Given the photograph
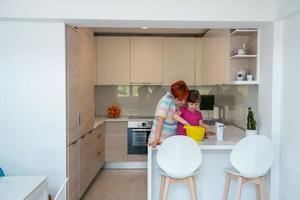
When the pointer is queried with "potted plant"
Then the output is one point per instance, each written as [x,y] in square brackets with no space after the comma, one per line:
[251,123]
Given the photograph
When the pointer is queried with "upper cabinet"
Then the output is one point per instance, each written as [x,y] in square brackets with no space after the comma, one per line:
[87,65]
[146,60]
[215,57]
[72,84]
[198,61]
[112,60]
[178,60]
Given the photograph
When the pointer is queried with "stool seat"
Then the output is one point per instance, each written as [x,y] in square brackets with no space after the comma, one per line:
[179,159]
[161,172]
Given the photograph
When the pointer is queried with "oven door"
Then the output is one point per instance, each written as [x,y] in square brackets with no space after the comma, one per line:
[137,140]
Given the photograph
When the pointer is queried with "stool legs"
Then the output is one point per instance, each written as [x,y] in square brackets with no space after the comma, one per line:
[166,188]
[239,188]
[192,187]
[162,184]
[259,182]
[227,186]
[258,195]
[263,188]
[167,181]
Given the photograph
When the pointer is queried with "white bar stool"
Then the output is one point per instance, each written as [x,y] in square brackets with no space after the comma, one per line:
[179,158]
[251,158]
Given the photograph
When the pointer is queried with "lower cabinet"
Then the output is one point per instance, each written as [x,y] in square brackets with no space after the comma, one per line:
[73,170]
[116,141]
[85,159]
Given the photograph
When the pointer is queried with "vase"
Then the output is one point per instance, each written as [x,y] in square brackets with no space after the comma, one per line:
[251,132]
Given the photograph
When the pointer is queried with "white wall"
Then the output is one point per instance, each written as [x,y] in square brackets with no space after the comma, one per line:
[33,100]
[290,108]
[168,10]
[285,8]
[265,73]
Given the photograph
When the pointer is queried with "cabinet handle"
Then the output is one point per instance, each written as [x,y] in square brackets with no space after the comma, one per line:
[82,136]
[99,135]
[78,118]
[73,143]
[98,153]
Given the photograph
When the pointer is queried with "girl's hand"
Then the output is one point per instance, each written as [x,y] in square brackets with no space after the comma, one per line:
[209,133]
[154,142]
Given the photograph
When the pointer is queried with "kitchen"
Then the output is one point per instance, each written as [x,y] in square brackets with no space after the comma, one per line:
[131,69]
[43,102]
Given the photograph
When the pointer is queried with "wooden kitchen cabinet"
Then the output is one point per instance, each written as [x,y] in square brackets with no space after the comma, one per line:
[198,61]
[72,84]
[91,156]
[215,57]
[87,63]
[146,60]
[116,141]
[82,163]
[73,155]
[112,60]
[73,131]
[178,60]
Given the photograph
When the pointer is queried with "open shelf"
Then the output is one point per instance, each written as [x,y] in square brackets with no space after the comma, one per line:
[243,56]
[242,32]
[245,82]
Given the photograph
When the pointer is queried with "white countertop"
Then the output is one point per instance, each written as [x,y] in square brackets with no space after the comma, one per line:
[19,187]
[100,120]
[232,135]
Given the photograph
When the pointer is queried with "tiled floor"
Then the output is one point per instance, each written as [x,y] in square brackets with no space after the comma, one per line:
[119,184]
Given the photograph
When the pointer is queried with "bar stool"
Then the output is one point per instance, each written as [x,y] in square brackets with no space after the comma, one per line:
[251,158]
[179,159]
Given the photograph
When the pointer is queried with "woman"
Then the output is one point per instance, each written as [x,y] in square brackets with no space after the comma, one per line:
[164,124]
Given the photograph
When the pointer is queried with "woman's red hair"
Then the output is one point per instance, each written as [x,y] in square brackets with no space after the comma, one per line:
[180,90]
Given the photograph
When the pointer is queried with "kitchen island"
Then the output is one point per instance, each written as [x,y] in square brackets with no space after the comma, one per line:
[210,180]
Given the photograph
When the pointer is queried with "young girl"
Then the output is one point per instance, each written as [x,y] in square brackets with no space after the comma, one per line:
[190,113]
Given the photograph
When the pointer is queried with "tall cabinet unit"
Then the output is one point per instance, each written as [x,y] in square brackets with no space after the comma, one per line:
[85,146]
[178,60]
[73,131]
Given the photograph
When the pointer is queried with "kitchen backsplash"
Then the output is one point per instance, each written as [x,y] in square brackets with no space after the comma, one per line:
[142,100]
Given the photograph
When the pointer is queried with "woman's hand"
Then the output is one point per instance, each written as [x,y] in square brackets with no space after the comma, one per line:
[154,143]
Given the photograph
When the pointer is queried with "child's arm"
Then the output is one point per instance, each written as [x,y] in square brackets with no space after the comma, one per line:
[180,119]
[207,132]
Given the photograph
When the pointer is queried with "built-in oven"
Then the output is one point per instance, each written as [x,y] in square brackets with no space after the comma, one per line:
[138,133]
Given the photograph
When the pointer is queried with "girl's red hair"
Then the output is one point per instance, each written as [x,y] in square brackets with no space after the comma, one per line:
[180,90]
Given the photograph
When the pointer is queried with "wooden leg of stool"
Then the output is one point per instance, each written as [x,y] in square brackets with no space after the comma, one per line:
[227,186]
[239,188]
[258,195]
[192,187]
[263,188]
[162,184]
[166,188]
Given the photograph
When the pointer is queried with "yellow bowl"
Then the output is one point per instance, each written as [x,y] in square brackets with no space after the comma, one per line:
[195,132]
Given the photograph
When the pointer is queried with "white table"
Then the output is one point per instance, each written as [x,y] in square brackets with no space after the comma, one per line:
[23,187]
